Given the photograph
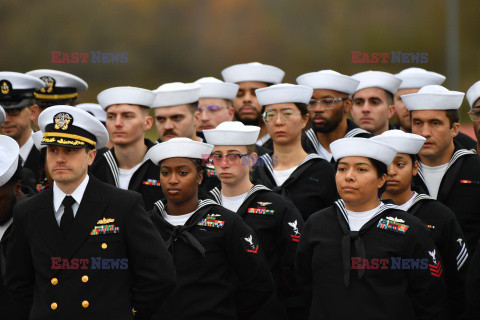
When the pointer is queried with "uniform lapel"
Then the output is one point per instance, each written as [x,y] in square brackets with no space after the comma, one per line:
[90,211]
[46,223]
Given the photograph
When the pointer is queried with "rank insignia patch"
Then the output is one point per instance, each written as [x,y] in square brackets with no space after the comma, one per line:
[151,182]
[393,224]
[250,246]
[211,222]
[296,235]
[261,210]
[436,267]
[105,229]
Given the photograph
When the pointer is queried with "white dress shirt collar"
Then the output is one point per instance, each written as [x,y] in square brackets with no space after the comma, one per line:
[59,195]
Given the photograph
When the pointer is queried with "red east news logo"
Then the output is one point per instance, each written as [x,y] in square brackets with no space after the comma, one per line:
[384,57]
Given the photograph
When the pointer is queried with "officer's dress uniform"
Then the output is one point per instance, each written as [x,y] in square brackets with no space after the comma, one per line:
[102,265]
[311,144]
[221,270]
[145,180]
[278,226]
[310,187]
[459,190]
[335,291]
[448,237]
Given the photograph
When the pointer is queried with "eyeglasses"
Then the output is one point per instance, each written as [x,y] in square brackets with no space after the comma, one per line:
[14,112]
[474,115]
[326,103]
[210,109]
[217,158]
[270,116]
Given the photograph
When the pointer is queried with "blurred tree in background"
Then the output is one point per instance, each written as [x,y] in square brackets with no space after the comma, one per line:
[183,40]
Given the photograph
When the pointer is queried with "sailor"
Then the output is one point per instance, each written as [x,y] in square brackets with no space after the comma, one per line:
[221,270]
[373,100]
[362,258]
[443,227]
[329,109]
[274,219]
[473,97]
[61,88]
[126,165]
[412,80]
[306,179]
[86,251]
[17,98]
[250,77]
[447,172]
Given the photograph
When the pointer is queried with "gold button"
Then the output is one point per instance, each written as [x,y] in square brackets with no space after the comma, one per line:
[85,304]
[53,306]
[54,281]
[104,245]
[85,279]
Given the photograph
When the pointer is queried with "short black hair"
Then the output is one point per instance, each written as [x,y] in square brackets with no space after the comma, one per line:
[17,176]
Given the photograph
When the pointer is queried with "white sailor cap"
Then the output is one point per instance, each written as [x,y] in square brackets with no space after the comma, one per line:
[213,88]
[377,79]
[433,97]
[473,94]
[16,89]
[3,115]
[71,127]
[175,94]
[402,141]
[232,133]
[59,85]
[126,95]
[9,151]
[363,147]
[253,71]
[179,148]
[329,79]
[37,140]
[284,93]
[418,77]
[94,109]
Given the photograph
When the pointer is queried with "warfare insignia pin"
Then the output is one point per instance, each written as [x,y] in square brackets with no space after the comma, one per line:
[263,204]
[62,120]
[105,221]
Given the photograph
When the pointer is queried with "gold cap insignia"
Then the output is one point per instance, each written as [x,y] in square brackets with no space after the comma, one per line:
[5,88]
[62,120]
[105,221]
[49,84]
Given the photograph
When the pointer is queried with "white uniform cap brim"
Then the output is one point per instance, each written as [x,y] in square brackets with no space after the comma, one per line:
[377,79]
[3,115]
[21,81]
[402,141]
[253,71]
[362,147]
[81,119]
[473,94]
[175,94]
[126,95]
[284,93]
[232,133]
[413,78]
[433,97]
[62,79]
[94,109]
[330,80]
[217,89]
[37,140]
[9,151]
[179,148]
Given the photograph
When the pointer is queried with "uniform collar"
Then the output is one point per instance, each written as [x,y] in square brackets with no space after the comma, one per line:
[217,192]
[160,205]
[59,195]
[26,148]
[268,162]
